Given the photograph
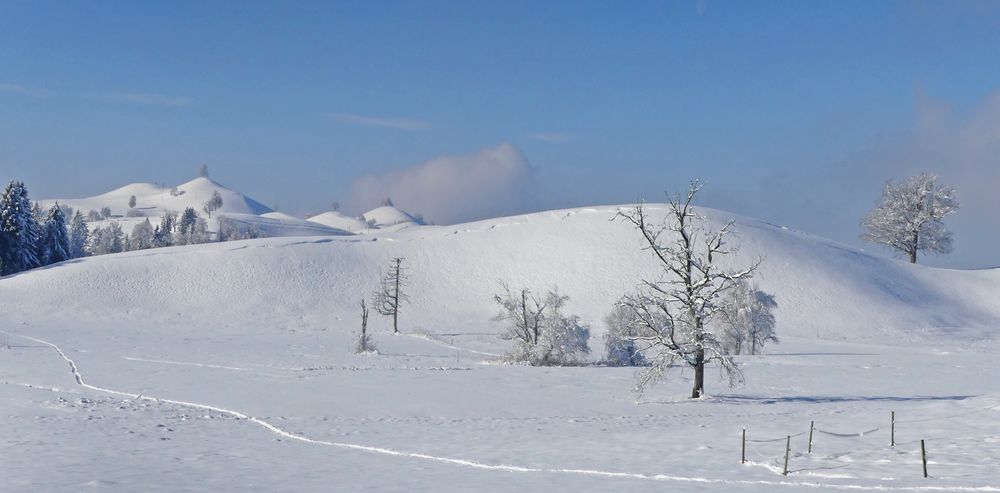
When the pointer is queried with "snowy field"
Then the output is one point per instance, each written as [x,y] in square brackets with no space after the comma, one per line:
[228,367]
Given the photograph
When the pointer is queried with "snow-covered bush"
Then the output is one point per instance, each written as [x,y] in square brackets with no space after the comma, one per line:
[542,334]
[619,340]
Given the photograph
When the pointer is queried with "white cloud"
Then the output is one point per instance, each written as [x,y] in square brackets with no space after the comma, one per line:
[449,189]
[142,98]
[24,90]
[382,122]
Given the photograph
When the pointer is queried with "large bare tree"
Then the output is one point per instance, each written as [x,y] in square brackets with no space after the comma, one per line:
[908,217]
[672,312]
[390,295]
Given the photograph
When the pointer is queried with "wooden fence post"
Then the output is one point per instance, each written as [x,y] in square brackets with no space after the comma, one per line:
[812,425]
[892,429]
[743,450]
[788,450]
[923,456]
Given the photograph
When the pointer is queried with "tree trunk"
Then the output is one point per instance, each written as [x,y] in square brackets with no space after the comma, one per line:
[913,252]
[699,375]
[913,257]
[395,301]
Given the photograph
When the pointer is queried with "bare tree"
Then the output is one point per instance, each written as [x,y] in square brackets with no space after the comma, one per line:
[389,295]
[334,206]
[213,204]
[131,202]
[203,171]
[542,334]
[524,312]
[672,312]
[365,344]
[908,217]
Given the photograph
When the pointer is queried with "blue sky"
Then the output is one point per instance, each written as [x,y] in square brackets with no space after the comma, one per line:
[795,112]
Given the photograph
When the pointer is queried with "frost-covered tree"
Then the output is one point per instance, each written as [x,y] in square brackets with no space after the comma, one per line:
[106,240]
[673,310]
[199,233]
[908,217]
[364,344]
[334,206]
[748,318]
[213,204]
[79,234]
[131,202]
[19,231]
[542,334]
[93,215]
[105,213]
[619,340]
[142,236]
[387,202]
[55,242]
[390,293]
[564,337]
[203,171]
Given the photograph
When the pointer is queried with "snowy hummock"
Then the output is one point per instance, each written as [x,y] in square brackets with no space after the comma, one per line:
[387,215]
[336,219]
[230,367]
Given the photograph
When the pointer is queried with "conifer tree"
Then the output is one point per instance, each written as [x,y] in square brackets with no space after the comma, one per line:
[18,230]
[79,233]
[55,243]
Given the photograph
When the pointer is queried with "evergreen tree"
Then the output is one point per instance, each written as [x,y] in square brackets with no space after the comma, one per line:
[18,230]
[163,235]
[79,233]
[55,243]
[187,221]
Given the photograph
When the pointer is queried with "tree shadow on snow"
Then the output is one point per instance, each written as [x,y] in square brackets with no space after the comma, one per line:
[823,399]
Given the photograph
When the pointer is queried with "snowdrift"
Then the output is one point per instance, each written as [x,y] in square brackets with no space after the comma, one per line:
[824,290]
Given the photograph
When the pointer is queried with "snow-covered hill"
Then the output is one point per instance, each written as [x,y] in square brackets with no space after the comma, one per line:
[228,367]
[153,200]
[388,216]
[338,220]
[823,289]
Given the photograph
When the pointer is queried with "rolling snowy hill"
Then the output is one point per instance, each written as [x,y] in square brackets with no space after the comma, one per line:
[153,200]
[228,366]
[823,289]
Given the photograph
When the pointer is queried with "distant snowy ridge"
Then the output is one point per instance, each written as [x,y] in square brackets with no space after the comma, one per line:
[154,200]
[823,289]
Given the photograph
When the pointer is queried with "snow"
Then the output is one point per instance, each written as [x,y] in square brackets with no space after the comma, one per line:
[153,200]
[335,219]
[228,367]
[388,215]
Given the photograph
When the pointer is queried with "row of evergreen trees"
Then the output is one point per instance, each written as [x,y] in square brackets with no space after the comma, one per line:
[30,237]
[26,241]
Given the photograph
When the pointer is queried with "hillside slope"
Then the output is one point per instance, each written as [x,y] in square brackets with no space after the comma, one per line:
[823,289]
